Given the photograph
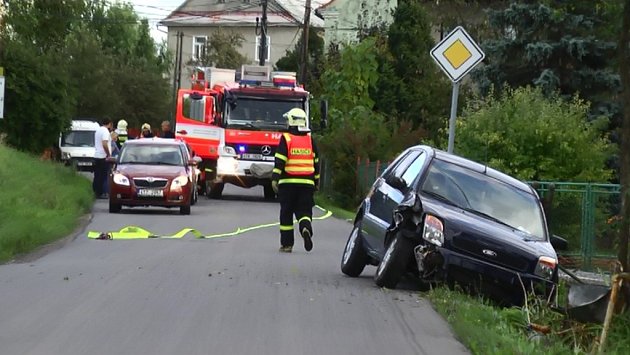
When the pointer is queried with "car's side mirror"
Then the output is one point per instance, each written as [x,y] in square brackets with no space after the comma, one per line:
[396,182]
[559,243]
[197,159]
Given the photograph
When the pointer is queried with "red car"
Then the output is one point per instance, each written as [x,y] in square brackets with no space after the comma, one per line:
[153,172]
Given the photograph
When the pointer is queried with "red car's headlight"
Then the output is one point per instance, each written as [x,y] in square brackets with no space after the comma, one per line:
[179,181]
[120,179]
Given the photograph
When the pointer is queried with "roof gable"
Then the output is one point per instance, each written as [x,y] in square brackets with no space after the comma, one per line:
[239,13]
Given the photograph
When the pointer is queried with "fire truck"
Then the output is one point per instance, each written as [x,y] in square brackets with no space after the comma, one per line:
[235,126]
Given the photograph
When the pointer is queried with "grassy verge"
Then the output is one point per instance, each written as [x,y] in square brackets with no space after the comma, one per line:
[486,329]
[325,202]
[40,202]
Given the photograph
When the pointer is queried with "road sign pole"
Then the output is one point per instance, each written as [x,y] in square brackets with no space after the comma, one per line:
[451,123]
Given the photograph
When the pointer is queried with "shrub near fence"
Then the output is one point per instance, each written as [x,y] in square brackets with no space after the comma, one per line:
[587,215]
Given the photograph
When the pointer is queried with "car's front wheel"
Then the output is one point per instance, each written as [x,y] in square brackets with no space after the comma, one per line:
[391,269]
[114,207]
[184,210]
[354,257]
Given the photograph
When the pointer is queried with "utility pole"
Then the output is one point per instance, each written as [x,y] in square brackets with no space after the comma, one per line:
[304,59]
[175,71]
[262,55]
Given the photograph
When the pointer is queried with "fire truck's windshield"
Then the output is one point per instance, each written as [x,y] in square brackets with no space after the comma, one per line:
[260,113]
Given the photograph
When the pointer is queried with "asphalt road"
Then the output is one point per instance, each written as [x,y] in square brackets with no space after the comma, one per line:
[235,295]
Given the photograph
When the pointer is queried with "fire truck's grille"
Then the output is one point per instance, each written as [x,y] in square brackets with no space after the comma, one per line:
[155,182]
[255,149]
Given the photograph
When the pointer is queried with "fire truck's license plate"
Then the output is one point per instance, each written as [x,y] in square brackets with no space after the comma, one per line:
[150,193]
[252,156]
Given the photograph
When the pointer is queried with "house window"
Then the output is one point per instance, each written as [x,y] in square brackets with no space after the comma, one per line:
[199,47]
[258,44]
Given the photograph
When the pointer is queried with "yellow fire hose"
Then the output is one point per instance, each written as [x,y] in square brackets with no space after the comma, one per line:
[134,232]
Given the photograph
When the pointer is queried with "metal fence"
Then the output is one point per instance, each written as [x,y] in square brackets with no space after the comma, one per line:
[585,214]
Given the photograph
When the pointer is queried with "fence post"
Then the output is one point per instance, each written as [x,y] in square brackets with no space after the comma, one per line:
[587,227]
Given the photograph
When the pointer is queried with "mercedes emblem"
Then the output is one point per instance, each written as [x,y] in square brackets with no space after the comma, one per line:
[266,150]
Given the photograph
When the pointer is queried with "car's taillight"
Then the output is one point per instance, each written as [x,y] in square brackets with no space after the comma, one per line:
[546,267]
[433,231]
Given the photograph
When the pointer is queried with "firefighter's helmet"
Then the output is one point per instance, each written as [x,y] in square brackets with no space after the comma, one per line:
[122,125]
[296,118]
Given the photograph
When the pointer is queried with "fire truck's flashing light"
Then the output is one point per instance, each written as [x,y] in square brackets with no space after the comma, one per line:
[241,148]
[285,81]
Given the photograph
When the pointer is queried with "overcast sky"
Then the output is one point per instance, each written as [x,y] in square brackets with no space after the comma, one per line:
[154,11]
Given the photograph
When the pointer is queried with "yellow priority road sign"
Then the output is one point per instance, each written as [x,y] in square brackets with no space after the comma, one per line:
[457,54]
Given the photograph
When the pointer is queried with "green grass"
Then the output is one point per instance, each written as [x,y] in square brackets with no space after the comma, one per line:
[487,329]
[327,203]
[40,202]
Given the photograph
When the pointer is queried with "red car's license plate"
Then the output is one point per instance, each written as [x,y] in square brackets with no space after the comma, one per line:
[150,193]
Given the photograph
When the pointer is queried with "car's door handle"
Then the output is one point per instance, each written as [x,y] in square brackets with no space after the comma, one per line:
[182,132]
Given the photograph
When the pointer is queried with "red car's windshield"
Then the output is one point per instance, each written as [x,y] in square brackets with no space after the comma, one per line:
[151,155]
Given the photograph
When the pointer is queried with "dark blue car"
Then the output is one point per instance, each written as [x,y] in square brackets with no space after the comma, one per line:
[447,219]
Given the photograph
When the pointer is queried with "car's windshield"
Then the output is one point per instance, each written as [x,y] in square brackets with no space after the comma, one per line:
[260,113]
[151,155]
[77,139]
[480,193]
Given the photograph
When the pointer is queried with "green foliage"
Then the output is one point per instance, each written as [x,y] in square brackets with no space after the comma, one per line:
[77,58]
[356,129]
[291,61]
[486,329]
[534,136]
[559,46]
[221,50]
[40,203]
[411,86]
[38,100]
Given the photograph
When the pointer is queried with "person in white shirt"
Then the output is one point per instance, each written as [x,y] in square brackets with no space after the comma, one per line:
[101,143]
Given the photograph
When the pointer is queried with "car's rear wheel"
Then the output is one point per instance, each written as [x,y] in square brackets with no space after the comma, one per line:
[391,269]
[214,190]
[354,257]
[184,210]
[114,207]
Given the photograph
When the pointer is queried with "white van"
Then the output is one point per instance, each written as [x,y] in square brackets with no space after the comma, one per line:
[77,144]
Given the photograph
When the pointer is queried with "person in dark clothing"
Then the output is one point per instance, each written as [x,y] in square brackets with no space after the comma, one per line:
[295,179]
[146,131]
[166,130]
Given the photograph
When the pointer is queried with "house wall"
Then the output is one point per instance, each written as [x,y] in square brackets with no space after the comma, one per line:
[343,18]
[282,39]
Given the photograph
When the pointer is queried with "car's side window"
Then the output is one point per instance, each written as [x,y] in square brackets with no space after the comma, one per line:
[401,167]
[411,174]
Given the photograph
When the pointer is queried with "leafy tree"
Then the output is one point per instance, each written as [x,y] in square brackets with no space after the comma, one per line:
[411,87]
[356,129]
[534,136]
[221,50]
[38,101]
[557,45]
[291,61]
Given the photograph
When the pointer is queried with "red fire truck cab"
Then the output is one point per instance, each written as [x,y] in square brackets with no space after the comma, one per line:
[237,125]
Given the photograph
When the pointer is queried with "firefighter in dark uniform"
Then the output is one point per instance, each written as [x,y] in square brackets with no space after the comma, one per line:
[295,178]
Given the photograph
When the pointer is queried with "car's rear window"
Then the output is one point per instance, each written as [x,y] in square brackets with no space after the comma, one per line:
[476,191]
[151,154]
